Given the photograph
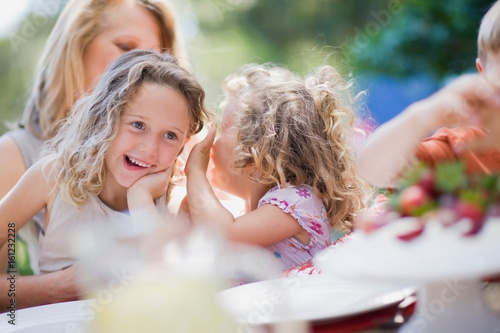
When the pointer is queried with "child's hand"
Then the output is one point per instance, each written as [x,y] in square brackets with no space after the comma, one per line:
[200,154]
[468,100]
[490,122]
[149,187]
[487,116]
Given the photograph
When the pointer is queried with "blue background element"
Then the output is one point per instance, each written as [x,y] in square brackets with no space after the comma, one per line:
[388,96]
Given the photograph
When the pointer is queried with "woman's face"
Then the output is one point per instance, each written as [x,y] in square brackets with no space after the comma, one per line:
[128,26]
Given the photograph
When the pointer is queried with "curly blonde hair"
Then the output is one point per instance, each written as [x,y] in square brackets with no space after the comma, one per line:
[59,80]
[298,131]
[80,146]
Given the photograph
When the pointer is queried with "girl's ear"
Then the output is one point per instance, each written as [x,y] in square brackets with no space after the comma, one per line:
[479,66]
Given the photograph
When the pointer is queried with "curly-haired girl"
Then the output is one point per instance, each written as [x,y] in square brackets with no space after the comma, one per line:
[285,148]
[119,143]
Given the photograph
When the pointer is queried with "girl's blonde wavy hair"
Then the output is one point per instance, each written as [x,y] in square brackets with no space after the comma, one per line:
[77,151]
[59,79]
[298,131]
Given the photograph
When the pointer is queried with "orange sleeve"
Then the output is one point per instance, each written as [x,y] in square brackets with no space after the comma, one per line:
[443,146]
[433,150]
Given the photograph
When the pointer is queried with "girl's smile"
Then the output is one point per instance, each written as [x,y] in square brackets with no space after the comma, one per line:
[132,163]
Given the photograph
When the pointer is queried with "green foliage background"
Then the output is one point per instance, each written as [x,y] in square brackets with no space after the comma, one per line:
[399,38]
[19,53]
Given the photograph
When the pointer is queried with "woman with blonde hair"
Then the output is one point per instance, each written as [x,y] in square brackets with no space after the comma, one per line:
[86,38]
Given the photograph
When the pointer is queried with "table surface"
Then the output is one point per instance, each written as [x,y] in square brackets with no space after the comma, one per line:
[380,321]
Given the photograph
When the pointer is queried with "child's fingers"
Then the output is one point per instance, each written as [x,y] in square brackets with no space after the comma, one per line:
[164,177]
[154,183]
[209,139]
[472,97]
[200,154]
[206,144]
[168,172]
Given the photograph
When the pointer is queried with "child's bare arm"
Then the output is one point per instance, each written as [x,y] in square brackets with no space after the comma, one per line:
[265,226]
[29,196]
[393,145]
[204,206]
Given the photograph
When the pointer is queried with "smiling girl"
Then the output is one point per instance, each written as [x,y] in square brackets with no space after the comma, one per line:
[120,142]
[86,38]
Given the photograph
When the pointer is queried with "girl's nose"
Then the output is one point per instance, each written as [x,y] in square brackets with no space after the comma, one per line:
[150,146]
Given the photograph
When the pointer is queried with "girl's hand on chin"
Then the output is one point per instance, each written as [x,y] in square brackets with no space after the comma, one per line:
[153,185]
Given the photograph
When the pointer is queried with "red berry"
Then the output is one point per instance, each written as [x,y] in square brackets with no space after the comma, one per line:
[426,181]
[410,228]
[411,198]
[471,212]
[408,236]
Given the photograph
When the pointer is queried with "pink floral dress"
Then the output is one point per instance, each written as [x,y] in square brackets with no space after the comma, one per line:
[310,213]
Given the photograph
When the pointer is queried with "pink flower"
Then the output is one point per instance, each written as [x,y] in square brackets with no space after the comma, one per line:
[303,193]
[316,227]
